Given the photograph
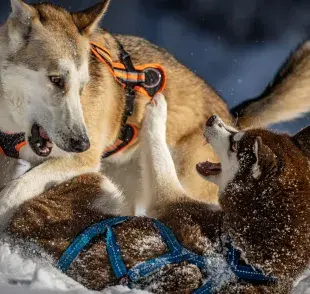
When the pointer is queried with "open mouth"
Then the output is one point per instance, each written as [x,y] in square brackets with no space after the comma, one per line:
[39,141]
[208,168]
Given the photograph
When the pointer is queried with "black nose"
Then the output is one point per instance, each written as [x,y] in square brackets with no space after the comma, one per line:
[79,145]
[211,120]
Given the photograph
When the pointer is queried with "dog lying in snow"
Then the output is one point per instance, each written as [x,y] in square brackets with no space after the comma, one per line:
[264,213]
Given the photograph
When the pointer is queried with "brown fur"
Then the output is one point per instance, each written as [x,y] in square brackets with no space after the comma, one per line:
[267,218]
[272,211]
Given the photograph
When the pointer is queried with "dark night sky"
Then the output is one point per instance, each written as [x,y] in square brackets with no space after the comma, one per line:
[236,46]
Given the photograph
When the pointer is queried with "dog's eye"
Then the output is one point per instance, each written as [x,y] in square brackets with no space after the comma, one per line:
[233,144]
[57,81]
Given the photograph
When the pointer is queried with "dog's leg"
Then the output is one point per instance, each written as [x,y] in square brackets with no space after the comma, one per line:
[159,177]
[42,177]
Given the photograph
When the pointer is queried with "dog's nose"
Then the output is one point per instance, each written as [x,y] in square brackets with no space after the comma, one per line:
[212,119]
[79,145]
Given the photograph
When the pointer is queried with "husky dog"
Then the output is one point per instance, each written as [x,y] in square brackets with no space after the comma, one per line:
[264,211]
[70,106]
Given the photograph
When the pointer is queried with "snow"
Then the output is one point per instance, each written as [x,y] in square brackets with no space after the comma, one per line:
[34,273]
[20,274]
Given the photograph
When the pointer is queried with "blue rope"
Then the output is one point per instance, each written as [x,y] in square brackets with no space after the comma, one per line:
[206,288]
[84,239]
[245,272]
[114,253]
[177,253]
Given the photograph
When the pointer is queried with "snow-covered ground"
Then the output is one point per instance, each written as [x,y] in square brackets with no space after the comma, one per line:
[32,273]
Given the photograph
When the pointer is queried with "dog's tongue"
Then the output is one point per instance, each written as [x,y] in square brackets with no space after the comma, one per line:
[208,168]
[43,134]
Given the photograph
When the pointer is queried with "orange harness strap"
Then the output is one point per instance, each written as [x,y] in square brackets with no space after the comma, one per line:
[147,79]
[10,144]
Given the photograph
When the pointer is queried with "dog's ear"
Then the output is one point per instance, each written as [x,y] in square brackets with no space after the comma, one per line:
[266,160]
[302,140]
[88,20]
[20,23]
[22,11]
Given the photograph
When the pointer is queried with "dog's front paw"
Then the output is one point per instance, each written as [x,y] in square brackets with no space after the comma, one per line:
[155,117]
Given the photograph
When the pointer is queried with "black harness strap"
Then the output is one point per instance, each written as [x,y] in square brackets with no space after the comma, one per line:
[127,132]
[10,144]
[130,92]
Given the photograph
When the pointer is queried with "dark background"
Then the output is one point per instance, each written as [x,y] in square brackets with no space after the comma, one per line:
[235,45]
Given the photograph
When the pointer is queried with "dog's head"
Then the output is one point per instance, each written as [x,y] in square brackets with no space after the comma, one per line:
[264,192]
[45,70]
[254,155]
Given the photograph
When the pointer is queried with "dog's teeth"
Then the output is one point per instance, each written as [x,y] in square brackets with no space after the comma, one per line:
[38,144]
[49,144]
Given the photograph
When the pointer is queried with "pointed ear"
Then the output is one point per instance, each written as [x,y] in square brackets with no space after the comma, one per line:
[88,20]
[266,160]
[20,23]
[302,140]
[22,11]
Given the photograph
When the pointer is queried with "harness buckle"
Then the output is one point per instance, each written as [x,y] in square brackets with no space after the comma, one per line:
[153,77]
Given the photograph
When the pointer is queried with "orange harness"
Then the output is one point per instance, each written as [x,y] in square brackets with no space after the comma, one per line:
[147,79]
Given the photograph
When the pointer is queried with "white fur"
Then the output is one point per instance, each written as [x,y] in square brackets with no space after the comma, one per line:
[129,172]
[219,137]
[238,136]
[160,180]
[143,179]
[20,85]
[256,169]
[112,200]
